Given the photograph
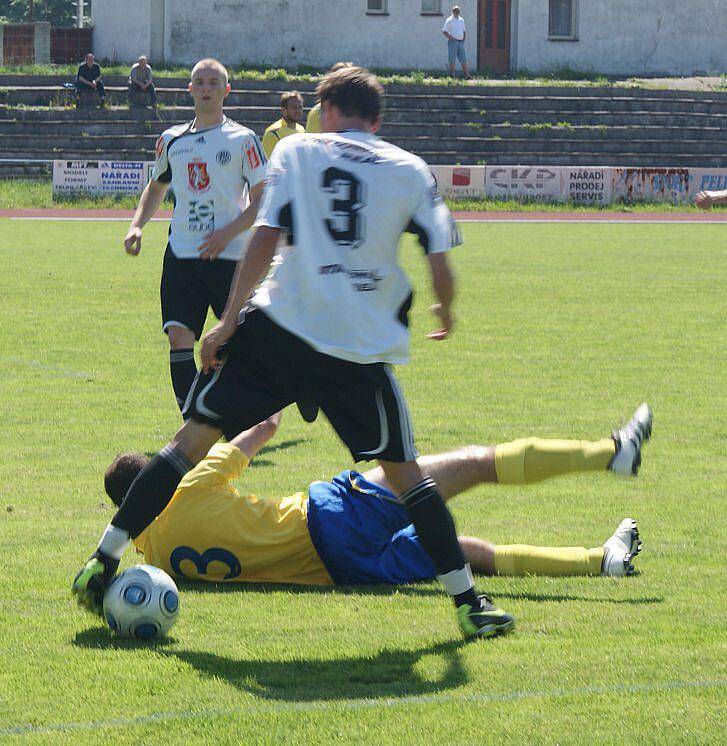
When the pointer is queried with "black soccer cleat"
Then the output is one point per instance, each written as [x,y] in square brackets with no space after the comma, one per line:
[487,621]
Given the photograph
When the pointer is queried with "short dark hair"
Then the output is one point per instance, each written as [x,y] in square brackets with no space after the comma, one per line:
[354,90]
[287,95]
[121,473]
[340,66]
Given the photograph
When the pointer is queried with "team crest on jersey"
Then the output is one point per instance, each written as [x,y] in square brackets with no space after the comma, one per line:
[253,158]
[199,179]
[224,157]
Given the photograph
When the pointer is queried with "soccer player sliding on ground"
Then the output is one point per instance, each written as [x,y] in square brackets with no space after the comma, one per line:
[352,530]
[325,327]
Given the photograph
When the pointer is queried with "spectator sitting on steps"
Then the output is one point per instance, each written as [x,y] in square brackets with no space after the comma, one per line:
[141,87]
[88,79]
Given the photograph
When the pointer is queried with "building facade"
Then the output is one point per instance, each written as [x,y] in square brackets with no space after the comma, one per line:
[617,37]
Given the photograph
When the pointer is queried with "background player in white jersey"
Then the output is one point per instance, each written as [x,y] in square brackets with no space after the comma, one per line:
[216,169]
[325,326]
[708,199]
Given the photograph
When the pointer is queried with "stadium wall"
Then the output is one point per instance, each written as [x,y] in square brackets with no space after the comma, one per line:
[279,33]
[623,37]
[123,30]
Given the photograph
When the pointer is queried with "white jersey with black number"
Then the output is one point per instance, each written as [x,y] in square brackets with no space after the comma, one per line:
[211,172]
[346,198]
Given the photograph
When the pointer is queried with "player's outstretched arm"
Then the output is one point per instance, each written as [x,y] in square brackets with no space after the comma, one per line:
[443,286]
[216,242]
[150,201]
[706,199]
[249,269]
[251,441]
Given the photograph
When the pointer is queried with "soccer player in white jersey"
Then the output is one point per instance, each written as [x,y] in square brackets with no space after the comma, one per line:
[326,325]
[216,169]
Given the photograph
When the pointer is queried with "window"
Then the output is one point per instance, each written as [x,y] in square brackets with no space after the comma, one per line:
[432,7]
[562,20]
[376,6]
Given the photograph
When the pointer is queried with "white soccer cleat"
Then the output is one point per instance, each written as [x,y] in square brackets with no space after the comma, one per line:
[621,549]
[629,440]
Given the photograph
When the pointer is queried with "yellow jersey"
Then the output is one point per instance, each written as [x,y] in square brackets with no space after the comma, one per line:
[210,532]
[276,132]
[313,123]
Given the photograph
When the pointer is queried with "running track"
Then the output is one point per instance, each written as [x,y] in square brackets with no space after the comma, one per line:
[468,217]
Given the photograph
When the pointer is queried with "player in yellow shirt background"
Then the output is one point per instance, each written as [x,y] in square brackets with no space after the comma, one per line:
[313,121]
[291,107]
[352,530]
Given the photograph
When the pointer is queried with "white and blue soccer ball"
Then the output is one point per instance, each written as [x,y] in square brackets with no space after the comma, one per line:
[142,602]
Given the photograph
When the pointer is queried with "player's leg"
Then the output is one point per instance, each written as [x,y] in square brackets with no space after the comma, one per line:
[531,460]
[366,407]
[148,495]
[229,400]
[614,558]
[454,471]
[184,309]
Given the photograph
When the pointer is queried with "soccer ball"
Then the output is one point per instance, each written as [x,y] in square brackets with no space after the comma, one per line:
[143,602]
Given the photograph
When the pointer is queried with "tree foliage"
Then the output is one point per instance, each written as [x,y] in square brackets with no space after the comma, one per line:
[58,12]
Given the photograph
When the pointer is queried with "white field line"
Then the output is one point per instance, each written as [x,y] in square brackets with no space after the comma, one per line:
[252,709]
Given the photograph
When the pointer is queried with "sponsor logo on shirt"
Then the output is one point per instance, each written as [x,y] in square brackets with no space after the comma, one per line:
[199,179]
[362,280]
[201,140]
[224,157]
[180,151]
[253,158]
[201,217]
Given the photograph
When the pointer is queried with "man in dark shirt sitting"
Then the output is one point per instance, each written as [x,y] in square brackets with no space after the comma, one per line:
[88,78]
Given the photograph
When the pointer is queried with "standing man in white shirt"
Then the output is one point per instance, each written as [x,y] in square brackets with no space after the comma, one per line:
[455,32]
[326,325]
[216,169]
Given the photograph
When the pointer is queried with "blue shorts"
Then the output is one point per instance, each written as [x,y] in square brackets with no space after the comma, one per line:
[363,535]
[456,51]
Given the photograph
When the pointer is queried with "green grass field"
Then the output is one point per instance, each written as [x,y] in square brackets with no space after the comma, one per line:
[563,330]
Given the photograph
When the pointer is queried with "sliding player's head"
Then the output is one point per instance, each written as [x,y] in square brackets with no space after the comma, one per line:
[351,98]
[122,471]
[291,105]
[209,86]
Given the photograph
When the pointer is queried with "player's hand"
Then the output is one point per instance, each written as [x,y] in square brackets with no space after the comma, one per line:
[446,323]
[132,242]
[211,343]
[704,200]
[215,244]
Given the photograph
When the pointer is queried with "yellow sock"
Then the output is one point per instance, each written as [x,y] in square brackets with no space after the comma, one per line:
[521,559]
[531,460]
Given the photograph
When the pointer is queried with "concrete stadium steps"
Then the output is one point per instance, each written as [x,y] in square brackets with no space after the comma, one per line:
[481,102]
[458,124]
[253,115]
[105,134]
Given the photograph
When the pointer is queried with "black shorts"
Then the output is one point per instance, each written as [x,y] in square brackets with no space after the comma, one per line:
[267,368]
[190,286]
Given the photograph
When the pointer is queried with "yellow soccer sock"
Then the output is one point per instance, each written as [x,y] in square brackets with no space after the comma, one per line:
[531,460]
[521,559]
